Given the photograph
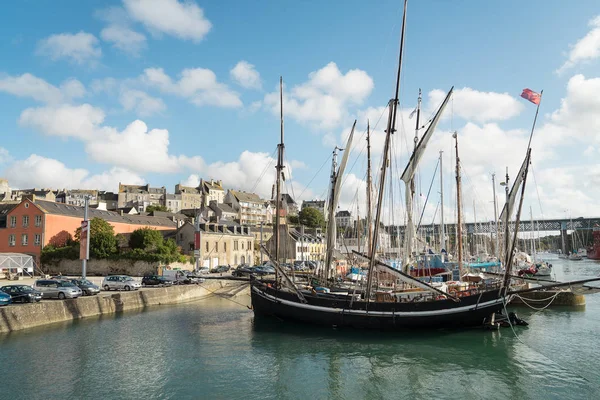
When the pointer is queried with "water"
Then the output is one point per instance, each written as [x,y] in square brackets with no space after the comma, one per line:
[215,349]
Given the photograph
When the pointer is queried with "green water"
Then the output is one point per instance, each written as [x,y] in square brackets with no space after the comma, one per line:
[215,349]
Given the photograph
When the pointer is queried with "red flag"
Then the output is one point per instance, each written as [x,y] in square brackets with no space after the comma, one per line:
[531,96]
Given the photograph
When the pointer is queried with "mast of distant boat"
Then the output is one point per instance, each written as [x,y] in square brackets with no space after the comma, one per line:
[442,228]
[459,243]
[369,192]
[279,167]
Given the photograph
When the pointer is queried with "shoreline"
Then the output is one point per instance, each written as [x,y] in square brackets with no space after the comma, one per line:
[25,316]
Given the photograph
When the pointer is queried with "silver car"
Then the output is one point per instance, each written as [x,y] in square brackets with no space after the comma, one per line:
[120,282]
[57,288]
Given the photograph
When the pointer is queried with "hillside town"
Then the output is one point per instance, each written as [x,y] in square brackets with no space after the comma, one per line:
[232,223]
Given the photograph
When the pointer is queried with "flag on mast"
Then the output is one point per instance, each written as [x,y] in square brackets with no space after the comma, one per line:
[531,96]
[412,114]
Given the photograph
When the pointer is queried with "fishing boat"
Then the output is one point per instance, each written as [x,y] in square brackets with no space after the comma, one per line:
[593,253]
[416,304]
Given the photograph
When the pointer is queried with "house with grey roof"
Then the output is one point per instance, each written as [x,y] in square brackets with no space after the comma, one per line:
[250,208]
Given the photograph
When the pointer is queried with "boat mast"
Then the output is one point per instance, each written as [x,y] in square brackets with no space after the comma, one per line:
[495,215]
[412,181]
[391,128]
[369,192]
[442,228]
[279,167]
[331,223]
[458,206]
[475,229]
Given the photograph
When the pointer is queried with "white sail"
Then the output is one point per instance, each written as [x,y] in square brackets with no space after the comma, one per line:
[512,196]
[411,168]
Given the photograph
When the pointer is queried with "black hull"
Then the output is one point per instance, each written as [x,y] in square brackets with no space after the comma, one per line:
[471,311]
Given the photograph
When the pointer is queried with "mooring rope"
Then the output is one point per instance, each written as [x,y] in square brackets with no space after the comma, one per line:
[225,296]
[551,298]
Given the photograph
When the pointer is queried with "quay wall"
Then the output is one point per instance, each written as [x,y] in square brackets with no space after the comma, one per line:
[108,267]
[24,316]
[542,298]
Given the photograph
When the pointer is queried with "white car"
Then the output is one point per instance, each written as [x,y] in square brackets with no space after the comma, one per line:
[120,282]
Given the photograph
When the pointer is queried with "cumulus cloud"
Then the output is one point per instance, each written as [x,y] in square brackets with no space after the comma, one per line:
[28,85]
[184,20]
[245,75]
[80,48]
[124,39]
[323,100]
[198,85]
[4,155]
[586,49]
[479,106]
[64,120]
[141,103]
[38,171]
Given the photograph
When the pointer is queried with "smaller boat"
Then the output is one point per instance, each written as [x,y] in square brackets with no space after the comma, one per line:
[575,257]
[541,269]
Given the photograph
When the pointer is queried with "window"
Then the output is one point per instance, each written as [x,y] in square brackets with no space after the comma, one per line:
[206,246]
[224,246]
[249,245]
[216,246]
[13,221]
[24,239]
[235,244]
[37,239]
[38,220]
[11,240]
[242,245]
[25,221]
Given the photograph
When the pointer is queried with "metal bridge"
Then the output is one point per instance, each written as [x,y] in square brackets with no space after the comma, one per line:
[524,226]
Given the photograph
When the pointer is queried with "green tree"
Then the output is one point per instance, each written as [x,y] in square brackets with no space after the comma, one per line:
[312,218]
[292,219]
[153,207]
[147,239]
[103,242]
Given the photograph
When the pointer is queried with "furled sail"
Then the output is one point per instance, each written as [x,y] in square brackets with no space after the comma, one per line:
[411,168]
[512,196]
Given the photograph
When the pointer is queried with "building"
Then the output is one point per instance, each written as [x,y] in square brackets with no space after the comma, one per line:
[220,244]
[5,208]
[343,219]
[4,190]
[295,246]
[42,194]
[191,197]
[110,200]
[212,191]
[218,211]
[140,196]
[250,208]
[33,224]
[173,202]
[318,204]
[77,197]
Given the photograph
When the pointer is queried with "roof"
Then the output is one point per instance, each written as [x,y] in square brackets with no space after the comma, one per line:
[50,207]
[6,207]
[226,208]
[212,185]
[343,214]
[173,196]
[168,215]
[188,189]
[246,197]
[308,203]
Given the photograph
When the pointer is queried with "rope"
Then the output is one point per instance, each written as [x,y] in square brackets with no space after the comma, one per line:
[552,298]
[224,297]
[314,176]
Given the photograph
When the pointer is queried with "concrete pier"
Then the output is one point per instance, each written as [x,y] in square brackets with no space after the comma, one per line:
[22,316]
[535,299]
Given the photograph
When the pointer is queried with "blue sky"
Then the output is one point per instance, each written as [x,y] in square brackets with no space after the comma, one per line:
[122,61]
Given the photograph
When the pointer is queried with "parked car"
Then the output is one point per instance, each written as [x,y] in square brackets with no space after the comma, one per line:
[87,287]
[264,269]
[220,269]
[155,280]
[120,282]
[203,270]
[22,293]
[5,299]
[57,288]
[243,270]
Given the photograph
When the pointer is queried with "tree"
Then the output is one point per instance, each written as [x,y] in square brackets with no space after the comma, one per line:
[293,219]
[146,239]
[153,207]
[103,242]
[312,218]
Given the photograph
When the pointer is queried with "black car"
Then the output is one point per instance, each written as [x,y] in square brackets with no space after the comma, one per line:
[22,293]
[221,268]
[155,280]
[87,287]
[247,271]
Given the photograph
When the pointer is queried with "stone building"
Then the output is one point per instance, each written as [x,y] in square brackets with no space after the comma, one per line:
[250,208]
[76,197]
[140,197]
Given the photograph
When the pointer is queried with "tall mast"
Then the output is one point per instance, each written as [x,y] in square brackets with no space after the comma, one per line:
[442,228]
[279,168]
[475,229]
[459,215]
[495,215]
[369,185]
[532,235]
[391,128]
[331,223]
[506,224]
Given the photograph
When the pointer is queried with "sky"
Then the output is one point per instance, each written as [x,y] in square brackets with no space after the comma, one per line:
[163,92]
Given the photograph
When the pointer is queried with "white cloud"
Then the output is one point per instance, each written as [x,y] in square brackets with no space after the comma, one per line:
[246,75]
[105,85]
[38,171]
[324,99]
[28,85]
[184,20]
[479,106]
[586,49]
[80,48]
[192,181]
[142,103]
[64,120]
[198,85]
[4,156]
[124,39]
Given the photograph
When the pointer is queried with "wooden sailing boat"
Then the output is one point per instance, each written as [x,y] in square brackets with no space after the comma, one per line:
[430,308]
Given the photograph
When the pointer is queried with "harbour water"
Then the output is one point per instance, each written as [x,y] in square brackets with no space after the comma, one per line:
[216,349]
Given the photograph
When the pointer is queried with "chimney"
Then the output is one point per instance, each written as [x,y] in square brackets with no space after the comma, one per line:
[212,182]
[220,183]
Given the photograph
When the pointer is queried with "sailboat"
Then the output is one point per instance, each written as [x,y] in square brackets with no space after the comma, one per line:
[425,307]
